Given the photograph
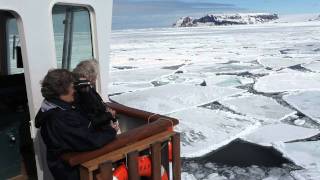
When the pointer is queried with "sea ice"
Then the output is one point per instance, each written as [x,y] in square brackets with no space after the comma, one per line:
[210,80]
[270,134]
[311,173]
[138,75]
[204,130]
[128,87]
[283,82]
[228,81]
[181,77]
[305,154]
[206,51]
[277,63]
[257,106]
[307,102]
[173,97]
[314,66]
[211,68]
[215,176]
[186,176]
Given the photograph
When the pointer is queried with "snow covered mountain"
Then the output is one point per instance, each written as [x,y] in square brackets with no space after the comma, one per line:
[226,19]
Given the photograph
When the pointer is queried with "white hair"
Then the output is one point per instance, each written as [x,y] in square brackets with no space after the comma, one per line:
[87,69]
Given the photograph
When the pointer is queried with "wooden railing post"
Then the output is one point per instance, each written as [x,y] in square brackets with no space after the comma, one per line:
[105,171]
[176,162]
[156,161]
[85,174]
[133,165]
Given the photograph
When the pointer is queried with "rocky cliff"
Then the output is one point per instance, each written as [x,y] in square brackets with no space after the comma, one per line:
[225,19]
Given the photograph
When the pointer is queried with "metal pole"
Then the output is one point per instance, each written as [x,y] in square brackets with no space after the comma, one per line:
[14,47]
[68,37]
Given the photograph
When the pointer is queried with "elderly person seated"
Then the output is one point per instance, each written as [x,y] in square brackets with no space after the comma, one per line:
[63,128]
[87,98]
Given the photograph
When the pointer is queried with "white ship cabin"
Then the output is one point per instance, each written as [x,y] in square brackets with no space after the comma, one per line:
[39,35]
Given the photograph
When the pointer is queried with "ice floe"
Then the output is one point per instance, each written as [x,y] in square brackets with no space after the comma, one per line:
[314,66]
[277,63]
[271,134]
[186,176]
[208,80]
[258,106]
[127,87]
[173,97]
[213,171]
[138,75]
[307,102]
[283,82]
[228,81]
[305,154]
[220,68]
[204,130]
[311,173]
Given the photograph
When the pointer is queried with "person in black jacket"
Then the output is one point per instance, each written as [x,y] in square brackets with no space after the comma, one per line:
[63,128]
[87,98]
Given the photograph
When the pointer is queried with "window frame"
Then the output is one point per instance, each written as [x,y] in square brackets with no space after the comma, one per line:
[92,26]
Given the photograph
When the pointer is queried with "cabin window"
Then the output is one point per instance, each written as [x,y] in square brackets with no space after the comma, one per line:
[72,35]
[15,65]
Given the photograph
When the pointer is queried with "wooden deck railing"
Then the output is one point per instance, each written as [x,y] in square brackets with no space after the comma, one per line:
[157,131]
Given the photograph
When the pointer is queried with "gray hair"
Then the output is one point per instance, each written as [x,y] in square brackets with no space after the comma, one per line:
[86,69]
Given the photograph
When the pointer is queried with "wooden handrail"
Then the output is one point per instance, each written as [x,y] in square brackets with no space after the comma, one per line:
[121,140]
[155,126]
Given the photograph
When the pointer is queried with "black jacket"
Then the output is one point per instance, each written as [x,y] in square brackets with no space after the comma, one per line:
[64,129]
[92,106]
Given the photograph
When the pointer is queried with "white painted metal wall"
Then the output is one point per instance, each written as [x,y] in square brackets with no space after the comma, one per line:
[34,18]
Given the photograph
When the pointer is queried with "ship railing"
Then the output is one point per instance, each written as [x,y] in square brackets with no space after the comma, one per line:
[152,137]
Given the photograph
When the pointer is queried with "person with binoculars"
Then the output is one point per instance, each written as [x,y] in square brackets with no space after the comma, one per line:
[88,100]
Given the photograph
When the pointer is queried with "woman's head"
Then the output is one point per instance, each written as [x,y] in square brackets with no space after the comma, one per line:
[58,84]
[88,70]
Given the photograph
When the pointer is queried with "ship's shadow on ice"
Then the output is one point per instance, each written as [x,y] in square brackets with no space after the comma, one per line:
[243,154]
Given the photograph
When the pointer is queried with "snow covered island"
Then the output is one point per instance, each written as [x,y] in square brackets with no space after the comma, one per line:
[226,19]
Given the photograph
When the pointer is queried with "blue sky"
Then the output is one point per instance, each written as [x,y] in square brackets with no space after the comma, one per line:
[129,14]
[280,6]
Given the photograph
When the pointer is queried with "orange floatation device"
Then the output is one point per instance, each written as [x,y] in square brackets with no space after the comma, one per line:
[144,168]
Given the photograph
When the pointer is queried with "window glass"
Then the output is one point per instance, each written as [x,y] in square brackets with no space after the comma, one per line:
[72,34]
[15,65]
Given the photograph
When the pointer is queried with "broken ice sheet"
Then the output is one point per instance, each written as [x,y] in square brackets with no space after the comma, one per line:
[312,173]
[270,134]
[138,75]
[314,66]
[257,106]
[204,130]
[186,176]
[127,87]
[183,78]
[210,80]
[277,63]
[173,97]
[305,154]
[220,67]
[283,82]
[228,80]
[307,102]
